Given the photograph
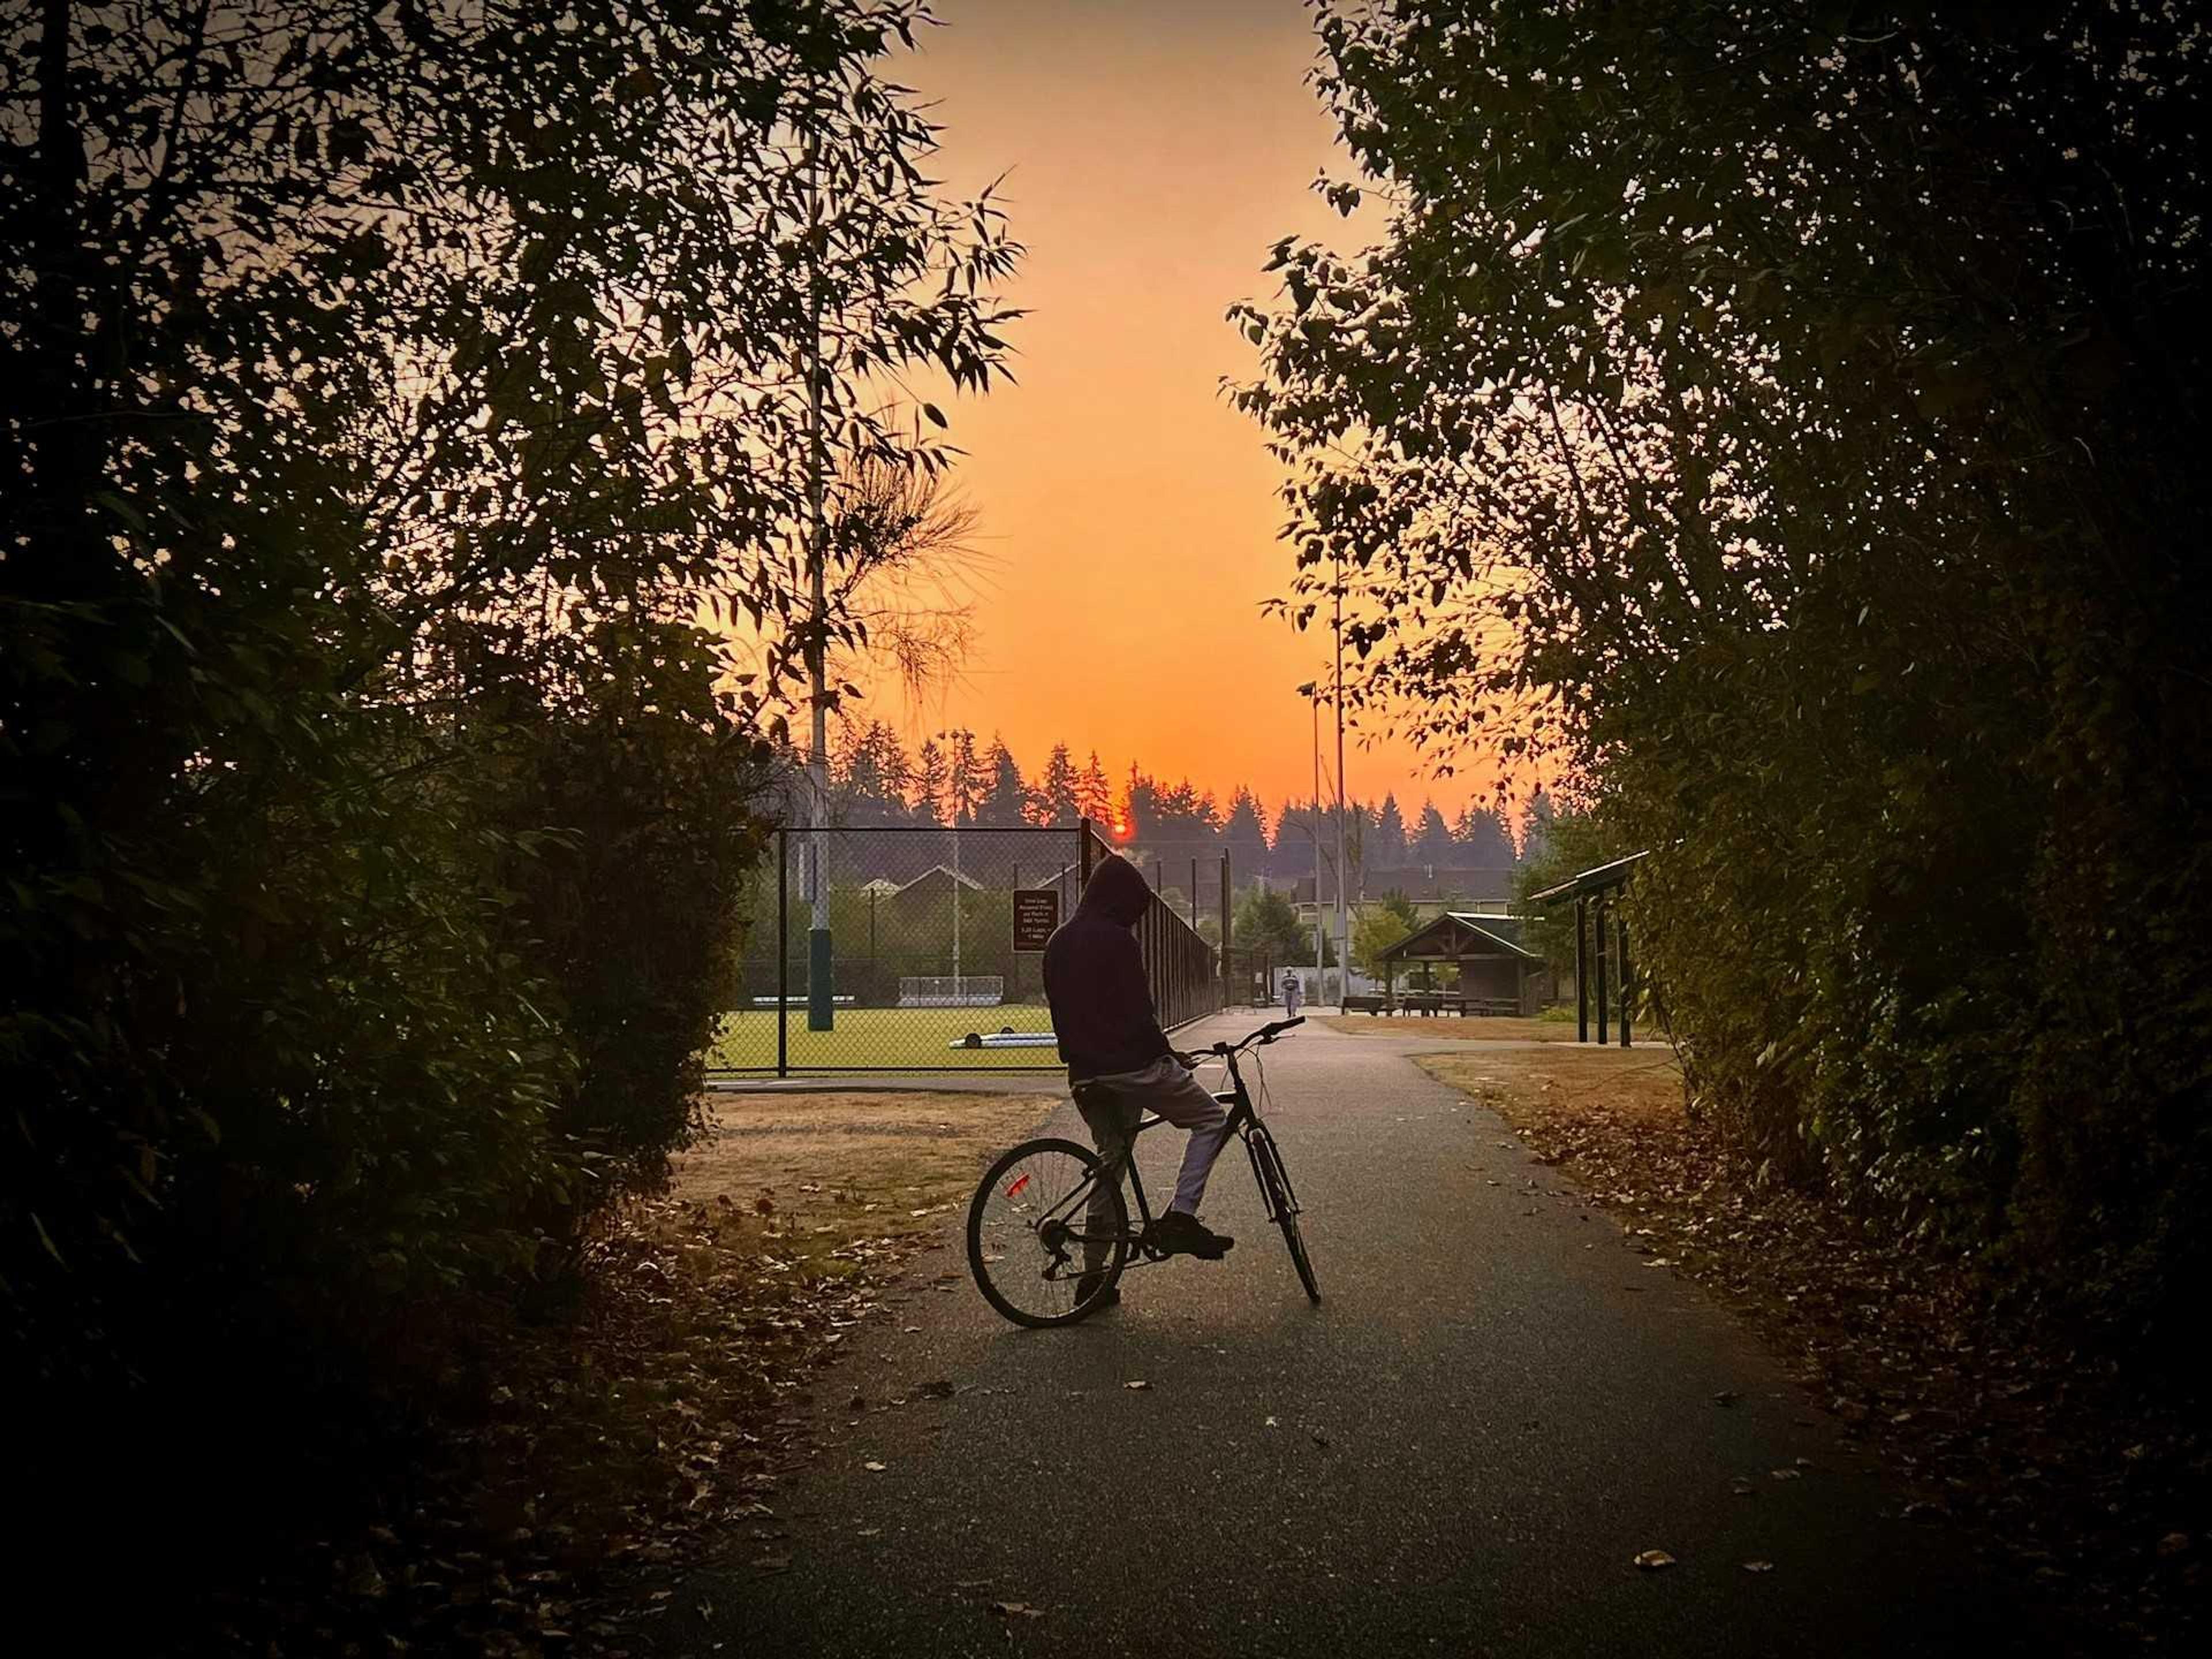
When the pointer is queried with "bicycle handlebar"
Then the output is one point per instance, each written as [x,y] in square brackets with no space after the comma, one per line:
[1267,1033]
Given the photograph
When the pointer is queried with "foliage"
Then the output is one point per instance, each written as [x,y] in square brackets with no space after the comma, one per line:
[1376,930]
[1790,419]
[1265,924]
[392,391]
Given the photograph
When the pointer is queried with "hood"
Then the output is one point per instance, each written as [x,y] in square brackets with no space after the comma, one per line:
[1116,890]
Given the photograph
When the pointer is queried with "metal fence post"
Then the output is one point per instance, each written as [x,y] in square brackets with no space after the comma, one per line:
[782,952]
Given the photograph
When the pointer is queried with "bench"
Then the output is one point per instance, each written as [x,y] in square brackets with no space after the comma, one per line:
[798,1001]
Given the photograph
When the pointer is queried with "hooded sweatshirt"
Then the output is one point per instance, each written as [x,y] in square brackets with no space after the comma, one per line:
[1094,978]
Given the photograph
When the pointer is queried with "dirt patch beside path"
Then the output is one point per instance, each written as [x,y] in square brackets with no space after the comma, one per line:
[2098,1498]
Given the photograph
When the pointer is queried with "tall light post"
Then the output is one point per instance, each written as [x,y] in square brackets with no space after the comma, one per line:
[821,992]
[1343,915]
[1311,692]
[963,742]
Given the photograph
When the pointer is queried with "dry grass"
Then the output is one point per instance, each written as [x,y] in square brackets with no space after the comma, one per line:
[814,1173]
[1454,1027]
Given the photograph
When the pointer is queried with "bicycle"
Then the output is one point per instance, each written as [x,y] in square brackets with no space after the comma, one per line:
[1046,1218]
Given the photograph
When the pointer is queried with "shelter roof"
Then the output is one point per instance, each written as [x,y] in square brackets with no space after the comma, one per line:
[1601,878]
[1450,934]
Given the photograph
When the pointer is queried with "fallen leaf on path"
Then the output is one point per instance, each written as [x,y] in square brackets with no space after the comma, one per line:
[1271,1423]
[1653,1560]
[1758,1566]
[1017,1610]
[873,1468]
[1135,1386]
[937,1390]
[1742,1488]
[1789,1474]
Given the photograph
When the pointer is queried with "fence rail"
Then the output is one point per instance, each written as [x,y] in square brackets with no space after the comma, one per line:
[912,932]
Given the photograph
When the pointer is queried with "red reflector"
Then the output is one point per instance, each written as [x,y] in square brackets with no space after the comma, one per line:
[1015,1191]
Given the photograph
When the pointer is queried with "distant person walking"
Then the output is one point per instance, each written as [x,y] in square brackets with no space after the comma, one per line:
[1293,994]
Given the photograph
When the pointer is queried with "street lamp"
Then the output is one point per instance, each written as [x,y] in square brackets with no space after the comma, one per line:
[1310,691]
[963,742]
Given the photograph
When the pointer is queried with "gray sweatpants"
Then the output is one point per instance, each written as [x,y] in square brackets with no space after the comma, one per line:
[1165,1087]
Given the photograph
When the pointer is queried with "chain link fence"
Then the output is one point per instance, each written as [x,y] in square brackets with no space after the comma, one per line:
[920,949]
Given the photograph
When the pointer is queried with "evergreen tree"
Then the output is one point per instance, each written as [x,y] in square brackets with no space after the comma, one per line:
[1056,801]
[1389,835]
[1536,826]
[1484,842]
[1245,834]
[1094,796]
[929,797]
[965,780]
[1006,797]
[1432,843]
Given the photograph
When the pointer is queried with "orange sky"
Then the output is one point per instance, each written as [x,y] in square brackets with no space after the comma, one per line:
[1154,151]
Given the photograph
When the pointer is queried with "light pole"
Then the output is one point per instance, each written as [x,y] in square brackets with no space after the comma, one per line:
[821,992]
[1343,923]
[962,741]
[1310,691]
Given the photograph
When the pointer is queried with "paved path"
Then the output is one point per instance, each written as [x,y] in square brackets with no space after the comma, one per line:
[1497,1407]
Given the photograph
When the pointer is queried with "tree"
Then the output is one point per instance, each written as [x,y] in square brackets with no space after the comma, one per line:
[1056,799]
[931,800]
[1245,836]
[1635,491]
[1389,835]
[1006,797]
[1377,930]
[1481,839]
[1094,796]
[965,780]
[1265,924]
[1431,842]
[392,390]
[1535,826]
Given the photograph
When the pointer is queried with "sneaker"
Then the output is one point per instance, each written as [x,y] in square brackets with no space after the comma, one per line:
[1177,1233]
[1086,1286]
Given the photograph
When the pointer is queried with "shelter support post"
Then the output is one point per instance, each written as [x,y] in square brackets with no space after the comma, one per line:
[1620,944]
[1582,972]
[1597,946]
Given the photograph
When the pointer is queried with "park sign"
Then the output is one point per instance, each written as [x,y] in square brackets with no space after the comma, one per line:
[1036,914]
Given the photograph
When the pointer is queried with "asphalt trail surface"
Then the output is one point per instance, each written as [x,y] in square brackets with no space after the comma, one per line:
[1497,1408]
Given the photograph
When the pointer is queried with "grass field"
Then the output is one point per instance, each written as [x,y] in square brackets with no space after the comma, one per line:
[899,1038]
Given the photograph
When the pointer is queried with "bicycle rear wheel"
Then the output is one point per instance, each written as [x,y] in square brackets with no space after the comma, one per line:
[1043,1220]
[1282,1202]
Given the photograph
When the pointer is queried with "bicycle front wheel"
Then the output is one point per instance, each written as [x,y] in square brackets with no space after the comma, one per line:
[1047,1234]
[1282,1202]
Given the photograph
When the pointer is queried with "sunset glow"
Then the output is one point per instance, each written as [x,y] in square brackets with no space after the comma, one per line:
[1128,516]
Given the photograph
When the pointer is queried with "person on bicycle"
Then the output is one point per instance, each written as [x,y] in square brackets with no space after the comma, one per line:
[1111,1037]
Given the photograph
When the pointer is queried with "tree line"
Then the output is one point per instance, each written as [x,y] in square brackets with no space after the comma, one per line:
[950,779]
